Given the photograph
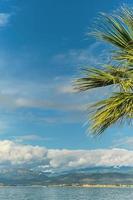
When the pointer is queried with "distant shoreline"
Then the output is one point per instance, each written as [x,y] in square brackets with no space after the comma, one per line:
[76,185]
[94,185]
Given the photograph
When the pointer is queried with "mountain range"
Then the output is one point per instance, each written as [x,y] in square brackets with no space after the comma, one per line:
[94,175]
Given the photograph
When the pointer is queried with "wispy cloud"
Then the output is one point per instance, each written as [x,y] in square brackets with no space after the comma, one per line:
[82,57]
[54,96]
[66,89]
[125,142]
[30,137]
[4,19]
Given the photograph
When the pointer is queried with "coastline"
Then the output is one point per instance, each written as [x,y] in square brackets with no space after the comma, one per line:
[76,185]
[94,185]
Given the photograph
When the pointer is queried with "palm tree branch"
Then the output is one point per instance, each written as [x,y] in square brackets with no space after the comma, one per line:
[117,29]
[110,75]
[111,110]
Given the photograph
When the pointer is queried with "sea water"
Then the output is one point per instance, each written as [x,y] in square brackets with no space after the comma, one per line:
[64,193]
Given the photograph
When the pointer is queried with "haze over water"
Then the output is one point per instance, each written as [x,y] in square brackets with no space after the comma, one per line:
[64,193]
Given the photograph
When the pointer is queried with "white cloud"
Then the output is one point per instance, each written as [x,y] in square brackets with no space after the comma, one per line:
[31,137]
[93,55]
[18,154]
[17,96]
[125,142]
[4,19]
[88,158]
[66,89]
[58,160]
[58,95]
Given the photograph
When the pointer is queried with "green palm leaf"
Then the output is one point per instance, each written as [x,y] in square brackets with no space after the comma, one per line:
[116,108]
[116,29]
[93,78]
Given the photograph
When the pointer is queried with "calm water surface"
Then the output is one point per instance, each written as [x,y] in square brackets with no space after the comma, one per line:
[56,193]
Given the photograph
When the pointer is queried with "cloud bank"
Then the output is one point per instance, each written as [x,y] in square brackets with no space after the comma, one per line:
[43,159]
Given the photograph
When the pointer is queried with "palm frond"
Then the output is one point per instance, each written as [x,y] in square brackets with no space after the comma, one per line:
[121,55]
[113,31]
[107,112]
[126,15]
[117,29]
[94,78]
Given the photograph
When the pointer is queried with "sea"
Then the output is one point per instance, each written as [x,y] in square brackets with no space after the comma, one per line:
[64,193]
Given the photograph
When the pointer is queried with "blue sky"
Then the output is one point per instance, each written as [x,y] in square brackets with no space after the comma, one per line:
[43,45]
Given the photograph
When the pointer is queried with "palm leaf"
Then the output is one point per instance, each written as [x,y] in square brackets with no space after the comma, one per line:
[117,29]
[126,55]
[126,16]
[113,31]
[109,111]
[94,78]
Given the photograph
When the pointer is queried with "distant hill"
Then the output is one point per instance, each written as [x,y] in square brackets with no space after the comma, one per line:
[95,175]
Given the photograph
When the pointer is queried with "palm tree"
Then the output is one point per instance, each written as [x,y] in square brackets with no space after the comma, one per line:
[117,30]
